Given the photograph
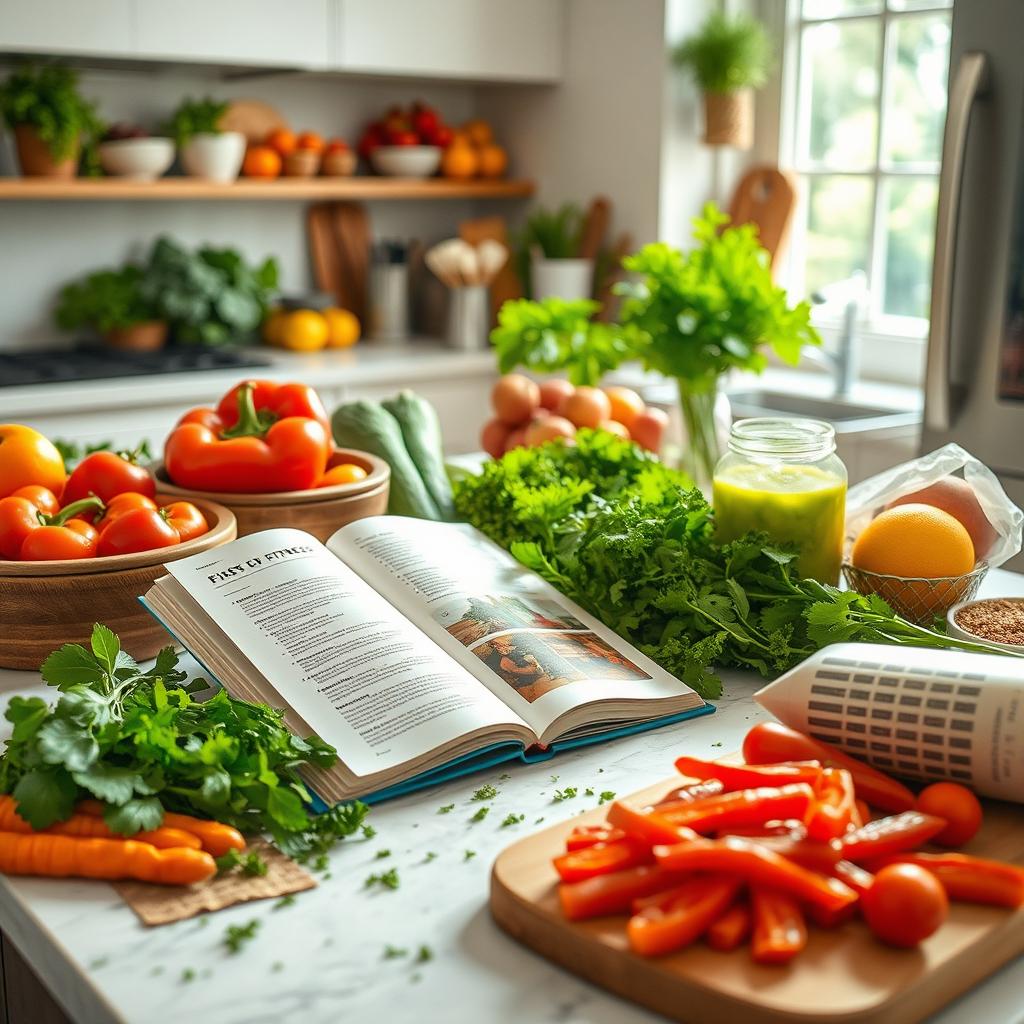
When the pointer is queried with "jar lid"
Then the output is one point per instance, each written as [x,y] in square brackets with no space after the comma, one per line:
[786,439]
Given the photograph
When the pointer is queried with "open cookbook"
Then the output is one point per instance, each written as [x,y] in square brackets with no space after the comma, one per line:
[420,650]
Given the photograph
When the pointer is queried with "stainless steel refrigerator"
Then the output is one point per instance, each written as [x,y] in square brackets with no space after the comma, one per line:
[974,382]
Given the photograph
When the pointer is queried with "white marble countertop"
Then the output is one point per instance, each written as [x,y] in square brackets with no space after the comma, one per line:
[321,959]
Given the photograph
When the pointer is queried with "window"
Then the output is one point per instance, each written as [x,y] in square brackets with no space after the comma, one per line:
[864,106]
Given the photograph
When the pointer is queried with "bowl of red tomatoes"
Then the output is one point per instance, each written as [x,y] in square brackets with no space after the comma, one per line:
[80,548]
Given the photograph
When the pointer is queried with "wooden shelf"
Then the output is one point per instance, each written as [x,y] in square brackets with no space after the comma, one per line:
[364,188]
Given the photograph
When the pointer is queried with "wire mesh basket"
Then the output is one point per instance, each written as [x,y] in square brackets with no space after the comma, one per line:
[913,597]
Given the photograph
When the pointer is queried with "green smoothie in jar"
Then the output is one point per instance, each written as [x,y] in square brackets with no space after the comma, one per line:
[783,478]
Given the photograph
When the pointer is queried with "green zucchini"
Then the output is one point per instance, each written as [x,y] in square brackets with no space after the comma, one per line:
[421,432]
[370,427]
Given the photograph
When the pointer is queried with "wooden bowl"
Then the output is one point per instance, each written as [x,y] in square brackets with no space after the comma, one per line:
[46,604]
[319,511]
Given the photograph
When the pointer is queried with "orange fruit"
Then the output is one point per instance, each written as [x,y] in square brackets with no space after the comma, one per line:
[956,497]
[478,132]
[26,457]
[459,161]
[261,162]
[281,141]
[493,160]
[626,404]
[346,473]
[310,140]
[305,330]
[914,540]
[273,326]
[342,327]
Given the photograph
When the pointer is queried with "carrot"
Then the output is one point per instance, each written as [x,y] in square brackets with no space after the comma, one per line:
[66,857]
[216,837]
[731,930]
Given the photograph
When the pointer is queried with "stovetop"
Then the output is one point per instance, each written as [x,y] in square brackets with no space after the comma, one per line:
[99,363]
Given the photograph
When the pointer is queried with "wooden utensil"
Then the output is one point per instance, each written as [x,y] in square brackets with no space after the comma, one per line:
[844,975]
[766,197]
[253,118]
[339,242]
[595,227]
[506,284]
[613,273]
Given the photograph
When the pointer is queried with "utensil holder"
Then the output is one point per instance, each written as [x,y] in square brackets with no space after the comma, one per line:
[468,316]
[389,302]
[562,278]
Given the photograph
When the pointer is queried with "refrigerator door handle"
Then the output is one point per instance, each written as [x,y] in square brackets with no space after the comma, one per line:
[971,74]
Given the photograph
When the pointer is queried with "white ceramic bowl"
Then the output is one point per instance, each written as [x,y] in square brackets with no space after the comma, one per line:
[216,157]
[406,161]
[138,159]
[962,634]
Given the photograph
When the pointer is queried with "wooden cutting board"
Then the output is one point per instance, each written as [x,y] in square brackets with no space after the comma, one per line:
[843,975]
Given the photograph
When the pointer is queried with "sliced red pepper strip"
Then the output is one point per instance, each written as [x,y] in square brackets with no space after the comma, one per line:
[858,880]
[657,930]
[772,742]
[965,878]
[788,827]
[808,853]
[613,894]
[583,836]
[757,865]
[692,791]
[742,807]
[779,931]
[730,931]
[602,859]
[895,834]
[740,776]
[647,826]
[835,806]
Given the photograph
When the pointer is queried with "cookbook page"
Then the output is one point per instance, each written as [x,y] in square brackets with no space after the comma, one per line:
[350,664]
[539,652]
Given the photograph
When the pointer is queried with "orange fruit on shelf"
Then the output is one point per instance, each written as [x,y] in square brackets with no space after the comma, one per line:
[914,540]
[273,326]
[478,132]
[282,141]
[261,162]
[626,404]
[310,140]
[459,160]
[305,330]
[493,160]
[342,327]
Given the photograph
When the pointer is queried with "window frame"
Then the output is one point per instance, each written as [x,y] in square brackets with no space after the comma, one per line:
[875,322]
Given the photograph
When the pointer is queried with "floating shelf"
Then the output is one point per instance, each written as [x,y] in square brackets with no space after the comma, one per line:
[164,189]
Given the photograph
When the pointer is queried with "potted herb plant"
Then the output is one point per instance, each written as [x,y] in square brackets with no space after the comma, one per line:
[111,303]
[548,257]
[206,151]
[49,118]
[729,58]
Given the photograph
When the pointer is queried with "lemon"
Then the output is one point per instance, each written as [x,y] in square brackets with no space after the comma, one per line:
[342,327]
[305,330]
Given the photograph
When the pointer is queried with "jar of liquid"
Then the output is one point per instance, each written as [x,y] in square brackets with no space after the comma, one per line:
[783,478]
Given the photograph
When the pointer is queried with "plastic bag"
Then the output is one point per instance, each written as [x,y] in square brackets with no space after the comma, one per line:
[866,499]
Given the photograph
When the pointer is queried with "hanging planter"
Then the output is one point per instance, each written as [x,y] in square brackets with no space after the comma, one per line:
[729,58]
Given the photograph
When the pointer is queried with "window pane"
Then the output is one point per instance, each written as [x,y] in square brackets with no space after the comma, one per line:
[917,5]
[916,90]
[839,93]
[834,8]
[910,239]
[838,228]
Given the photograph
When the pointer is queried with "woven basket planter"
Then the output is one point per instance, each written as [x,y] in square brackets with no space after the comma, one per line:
[729,118]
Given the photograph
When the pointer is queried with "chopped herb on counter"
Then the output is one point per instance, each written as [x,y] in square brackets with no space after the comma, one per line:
[589,791]
[424,954]
[284,901]
[381,854]
[512,819]
[485,792]
[446,809]
[277,966]
[480,814]
[469,855]
[237,935]
[394,952]
[430,855]
[388,879]
[539,820]
[322,862]
[564,794]
[188,974]
[252,864]
[368,831]
[606,795]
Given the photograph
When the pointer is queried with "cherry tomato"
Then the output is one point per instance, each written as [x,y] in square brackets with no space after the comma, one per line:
[139,529]
[121,503]
[18,518]
[107,474]
[44,499]
[186,519]
[904,905]
[26,457]
[958,805]
[76,539]
[346,473]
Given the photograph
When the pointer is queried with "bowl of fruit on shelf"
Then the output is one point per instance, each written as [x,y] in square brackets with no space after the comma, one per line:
[128,151]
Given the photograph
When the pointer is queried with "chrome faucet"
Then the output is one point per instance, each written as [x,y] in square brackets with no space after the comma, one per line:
[844,363]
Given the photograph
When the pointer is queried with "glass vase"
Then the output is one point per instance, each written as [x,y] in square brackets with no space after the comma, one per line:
[706,421]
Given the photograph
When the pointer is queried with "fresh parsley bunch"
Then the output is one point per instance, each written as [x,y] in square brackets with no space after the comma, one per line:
[141,743]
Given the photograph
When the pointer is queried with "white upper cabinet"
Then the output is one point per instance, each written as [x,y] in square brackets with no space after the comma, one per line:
[500,40]
[260,33]
[96,27]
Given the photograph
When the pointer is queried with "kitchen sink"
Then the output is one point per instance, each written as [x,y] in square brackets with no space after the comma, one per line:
[846,416]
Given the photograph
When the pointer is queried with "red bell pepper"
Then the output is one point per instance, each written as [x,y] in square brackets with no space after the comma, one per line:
[281,401]
[602,859]
[692,791]
[647,826]
[895,834]
[965,878]
[731,930]
[259,452]
[742,807]
[694,906]
[755,864]
[771,743]
[858,880]
[613,894]
[583,836]
[808,853]
[834,812]
[780,931]
[740,776]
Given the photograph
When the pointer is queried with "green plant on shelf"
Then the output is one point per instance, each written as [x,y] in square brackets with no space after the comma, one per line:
[195,117]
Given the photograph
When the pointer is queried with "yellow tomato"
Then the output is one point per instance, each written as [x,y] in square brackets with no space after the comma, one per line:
[346,473]
[26,457]
[305,330]
[342,327]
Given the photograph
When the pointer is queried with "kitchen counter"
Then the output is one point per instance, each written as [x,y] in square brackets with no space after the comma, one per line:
[321,959]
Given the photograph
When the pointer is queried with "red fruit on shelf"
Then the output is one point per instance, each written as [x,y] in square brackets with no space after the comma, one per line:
[648,429]
[424,121]
[554,392]
[441,135]
[403,138]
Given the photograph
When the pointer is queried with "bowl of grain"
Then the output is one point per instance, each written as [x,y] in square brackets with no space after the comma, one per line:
[995,621]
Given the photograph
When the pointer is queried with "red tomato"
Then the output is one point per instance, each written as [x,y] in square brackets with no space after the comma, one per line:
[186,519]
[957,805]
[18,518]
[43,499]
[76,539]
[121,503]
[106,474]
[905,905]
[139,529]
[403,138]
[442,136]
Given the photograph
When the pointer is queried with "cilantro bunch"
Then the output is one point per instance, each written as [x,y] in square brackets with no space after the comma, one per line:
[140,742]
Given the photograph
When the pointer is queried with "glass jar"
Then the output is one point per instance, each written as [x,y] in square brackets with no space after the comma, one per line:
[783,478]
